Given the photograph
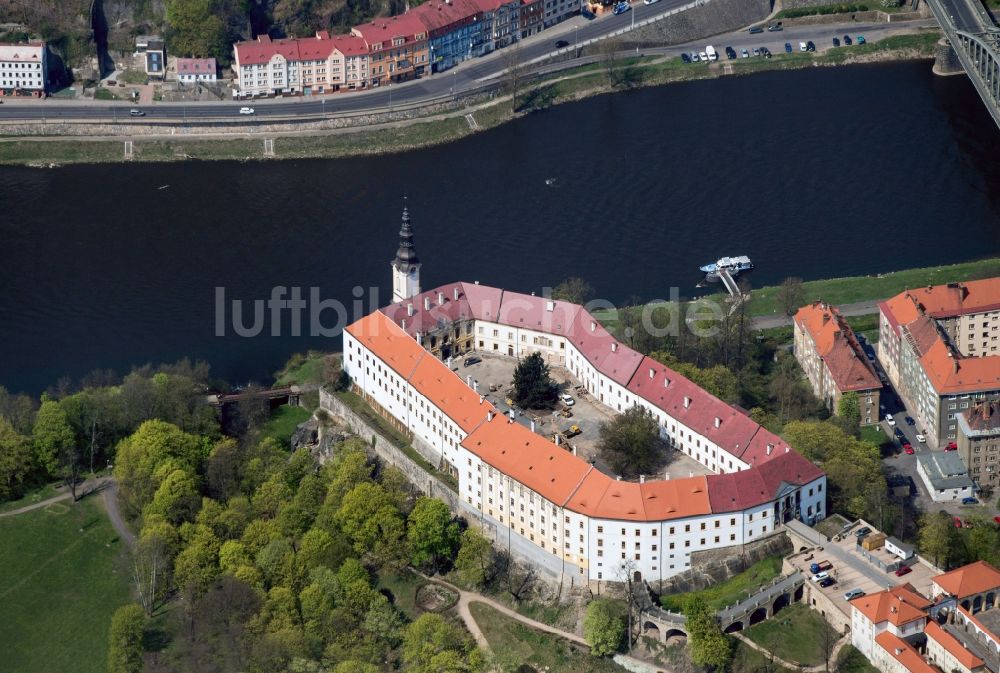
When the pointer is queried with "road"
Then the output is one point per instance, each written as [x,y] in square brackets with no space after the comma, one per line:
[468,76]
[963,15]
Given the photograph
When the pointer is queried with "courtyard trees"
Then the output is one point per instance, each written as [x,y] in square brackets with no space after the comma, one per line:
[631,442]
[533,387]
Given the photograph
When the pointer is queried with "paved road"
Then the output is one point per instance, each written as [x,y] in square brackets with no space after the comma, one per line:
[963,15]
[466,77]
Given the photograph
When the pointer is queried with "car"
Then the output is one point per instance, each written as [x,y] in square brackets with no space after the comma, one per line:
[862,532]
[951,446]
[903,570]
[819,577]
[890,420]
[774,28]
[907,449]
[909,420]
[810,46]
[756,51]
[561,43]
[853,593]
[246,111]
[860,39]
[572,431]
[685,57]
[836,43]
[970,501]
[471,360]
[703,56]
[695,57]
[649,2]
[899,434]
[788,47]
[567,400]
[756,29]
[847,40]
[802,46]
[828,582]
[588,15]
[621,8]
[766,52]
[920,438]
[136,113]
[730,53]
[744,53]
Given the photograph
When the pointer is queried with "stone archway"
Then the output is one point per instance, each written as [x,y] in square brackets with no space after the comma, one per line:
[757,616]
[800,591]
[991,601]
[780,602]
[674,633]
[734,627]
[651,630]
[965,604]
[977,604]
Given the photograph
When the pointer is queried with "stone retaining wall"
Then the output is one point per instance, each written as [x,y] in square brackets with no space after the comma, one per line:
[718,565]
[713,18]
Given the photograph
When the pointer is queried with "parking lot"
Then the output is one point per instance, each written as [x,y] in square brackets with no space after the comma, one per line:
[852,571]
[493,375]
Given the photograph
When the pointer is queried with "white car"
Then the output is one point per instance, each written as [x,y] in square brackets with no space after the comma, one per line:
[802,46]
[921,439]
[819,577]
[703,56]
[649,2]
[890,420]
[744,53]
[246,110]
[567,400]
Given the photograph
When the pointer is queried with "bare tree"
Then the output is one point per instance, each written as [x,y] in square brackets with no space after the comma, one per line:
[608,49]
[148,563]
[626,575]
[515,73]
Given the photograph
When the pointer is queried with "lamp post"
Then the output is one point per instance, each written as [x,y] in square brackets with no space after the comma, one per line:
[576,41]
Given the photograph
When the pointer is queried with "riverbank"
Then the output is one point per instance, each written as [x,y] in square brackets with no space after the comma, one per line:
[409,134]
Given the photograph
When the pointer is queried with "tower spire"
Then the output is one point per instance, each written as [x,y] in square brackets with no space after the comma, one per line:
[407,253]
[406,264]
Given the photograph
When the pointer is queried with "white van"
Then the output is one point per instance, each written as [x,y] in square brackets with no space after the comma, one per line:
[802,46]
[712,54]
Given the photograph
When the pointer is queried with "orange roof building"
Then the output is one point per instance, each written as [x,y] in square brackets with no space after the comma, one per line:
[948,653]
[892,654]
[939,345]
[969,581]
[834,361]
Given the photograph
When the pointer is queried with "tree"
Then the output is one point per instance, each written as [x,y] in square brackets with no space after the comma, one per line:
[514,70]
[476,560]
[604,626]
[432,534]
[177,498]
[574,290]
[125,640]
[142,455]
[433,645]
[52,436]
[938,537]
[196,29]
[370,518]
[533,387]
[608,49]
[17,461]
[631,442]
[849,411]
[709,645]
[790,295]
[150,569]
[984,541]
[788,389]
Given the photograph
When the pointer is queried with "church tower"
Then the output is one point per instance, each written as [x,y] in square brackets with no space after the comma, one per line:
[406,265]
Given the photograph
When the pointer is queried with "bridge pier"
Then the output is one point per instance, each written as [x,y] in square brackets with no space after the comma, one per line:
[946,61]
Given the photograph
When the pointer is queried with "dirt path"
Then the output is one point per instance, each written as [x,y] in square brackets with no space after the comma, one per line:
[115,515]
[819,668]
[87,487]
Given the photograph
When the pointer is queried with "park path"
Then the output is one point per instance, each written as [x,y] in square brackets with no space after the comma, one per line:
[115,515]
[819,668]
[87,487]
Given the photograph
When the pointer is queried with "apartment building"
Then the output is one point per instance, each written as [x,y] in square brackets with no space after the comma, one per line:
[319,64]
[833,360]
[194,70]
[979,442]
[23,68]
[398,49]
[454,30]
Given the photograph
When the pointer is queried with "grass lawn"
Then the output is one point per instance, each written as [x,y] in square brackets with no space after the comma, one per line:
[795,635]
[41,493]
[404,587]
[542,651]
[732,590]
[60,585]
[866,325]
[852,661]
[301,369]
[874,434]
[282,422]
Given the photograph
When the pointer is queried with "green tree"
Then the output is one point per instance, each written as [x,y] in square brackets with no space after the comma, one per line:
[142,455]
[533,387]
[790,295]
[52,436]
[432,534]
[709,645]
[574,290]
[17,461]
[849,411]
[476,559]
[177,498]
[196,29]
[604,626]
[197,565]
[631,442]
[125,639]
[433,645]
[938,537]
[374,524]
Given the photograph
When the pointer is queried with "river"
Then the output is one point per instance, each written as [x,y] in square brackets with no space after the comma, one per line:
[813,173]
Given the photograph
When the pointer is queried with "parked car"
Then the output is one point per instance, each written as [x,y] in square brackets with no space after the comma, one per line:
[703,56]
[471,360]
[802,46]
[246,111]
[903,570]
[756,29]
[951,446]
[730,52]
[685,57]
[907,449]
[765,52]
[970,501]
[819,566]
[920,438]
[572,431]
[819,577]
[860,39]
[561,43]
[836,42]
[774,27]
[828,582]
[744,53]
[588,15]
[567,400]
[810,46]
[649,2]
[621,8]
[756,51]
[909,420]
[890,420]
[847,40]
[862,532]
[853,593]
[788,47]
[136,113]
[695,57]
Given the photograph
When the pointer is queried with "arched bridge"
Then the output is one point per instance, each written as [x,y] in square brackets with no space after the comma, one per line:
[975,40]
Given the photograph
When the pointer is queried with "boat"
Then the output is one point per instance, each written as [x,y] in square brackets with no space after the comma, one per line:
[734,265]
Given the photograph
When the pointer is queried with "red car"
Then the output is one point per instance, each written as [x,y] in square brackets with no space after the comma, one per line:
[903,570]
[907,449]
[952,446]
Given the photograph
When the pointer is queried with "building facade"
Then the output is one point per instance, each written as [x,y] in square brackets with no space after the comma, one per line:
[398,49]
[453,29]
[314,65]
[834,361]
[23,68]
[938,346]
[194,70]
[944,475]
[979,442]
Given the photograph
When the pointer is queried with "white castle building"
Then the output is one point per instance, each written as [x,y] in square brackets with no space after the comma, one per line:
[515,479]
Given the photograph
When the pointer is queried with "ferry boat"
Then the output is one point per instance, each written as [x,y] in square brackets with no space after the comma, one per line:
[734,265]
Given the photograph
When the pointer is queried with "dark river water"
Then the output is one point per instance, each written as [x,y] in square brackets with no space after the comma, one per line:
[816,173]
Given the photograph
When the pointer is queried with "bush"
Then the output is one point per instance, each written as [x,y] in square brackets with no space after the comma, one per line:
[842,8]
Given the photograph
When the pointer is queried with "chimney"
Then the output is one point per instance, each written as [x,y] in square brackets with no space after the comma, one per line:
[593,325]
[532,425]
[652,373]
[455,294]
[687,402]
[481,398]
[475,385]
[550,306]
[409,309]
[468,380]
[440,298]
[510,417]
[787,449]
[614,346]
[718,422]
[955,366]
[574,449]
[420,339]
[770,448]
[557,439]
[618,477]
[489,416]
[427,303]
[666,382]
[826,318]
[899,651]
[403,324]
[666,476]
[642,479]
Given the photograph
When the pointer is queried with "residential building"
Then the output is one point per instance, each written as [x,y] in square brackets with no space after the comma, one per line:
[948,653]
[557,11]
[506,23]
[834,361]
[453,30]
[313,65]
[979,442]
[900,611]
[589,523]
[975,587]
[530,18]
[397,46]
[944,475]
[23,67]
[154,54]
[939,347]
[892,654]
[194,70]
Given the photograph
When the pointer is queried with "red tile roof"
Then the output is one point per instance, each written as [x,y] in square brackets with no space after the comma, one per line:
[388,342]
[318,48]
[952,645]
[438,14]
[950,373]
[264,49]
[613,359]
[969,580]
[900,605]
[538,313]
[448,392]
[195,66]
[903,652]
[837,346]
[384,30]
